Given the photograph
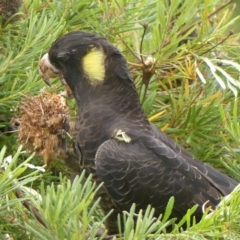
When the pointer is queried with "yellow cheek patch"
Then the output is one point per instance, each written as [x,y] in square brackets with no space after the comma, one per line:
[93,66]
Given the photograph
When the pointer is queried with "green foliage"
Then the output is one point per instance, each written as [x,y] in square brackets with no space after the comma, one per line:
[69,210]
[181,54]
[13,177]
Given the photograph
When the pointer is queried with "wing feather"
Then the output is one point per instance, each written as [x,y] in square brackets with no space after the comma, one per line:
[133,172]
[222,182]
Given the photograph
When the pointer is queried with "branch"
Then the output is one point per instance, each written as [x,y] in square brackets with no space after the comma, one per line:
[30,207]
[186,109]
[145,26]
[209,50]
[126,45]
[182,32]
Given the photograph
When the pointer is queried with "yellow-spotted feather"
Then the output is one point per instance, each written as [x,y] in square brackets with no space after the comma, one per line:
[93,66]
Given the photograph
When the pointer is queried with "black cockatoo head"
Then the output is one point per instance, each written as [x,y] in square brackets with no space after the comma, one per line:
[84,58]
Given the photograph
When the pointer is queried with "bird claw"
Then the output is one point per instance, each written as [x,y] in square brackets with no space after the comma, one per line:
[62,140]
[68,156]
[62,132]
[211,211]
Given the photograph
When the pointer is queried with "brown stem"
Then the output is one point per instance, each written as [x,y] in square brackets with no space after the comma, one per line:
[145,26]
[209,50]
[182,32]
[30,207]
[183,112]
[133,53]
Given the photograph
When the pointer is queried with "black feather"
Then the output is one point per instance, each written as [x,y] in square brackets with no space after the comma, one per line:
[148,170]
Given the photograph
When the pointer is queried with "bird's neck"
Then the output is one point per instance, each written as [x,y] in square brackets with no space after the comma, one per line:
[103,113]
[111,107]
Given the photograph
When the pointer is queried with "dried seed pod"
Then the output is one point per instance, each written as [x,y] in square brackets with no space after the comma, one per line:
[43,118]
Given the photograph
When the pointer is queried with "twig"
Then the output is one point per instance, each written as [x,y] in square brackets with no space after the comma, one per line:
[189,105]
[182,32]
[133,53]
[145,26]
[30,207]
[209,50]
